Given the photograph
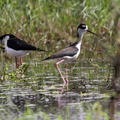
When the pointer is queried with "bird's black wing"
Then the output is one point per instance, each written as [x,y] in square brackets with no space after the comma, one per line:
[73,44]
[18,44]
[70,51]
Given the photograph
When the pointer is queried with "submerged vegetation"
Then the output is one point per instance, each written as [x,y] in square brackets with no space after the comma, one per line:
[51,25]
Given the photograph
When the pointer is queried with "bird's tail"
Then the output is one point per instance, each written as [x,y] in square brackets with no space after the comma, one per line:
[38,49]
[48,58]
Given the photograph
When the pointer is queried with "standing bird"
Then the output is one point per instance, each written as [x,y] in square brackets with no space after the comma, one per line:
[70,53]
[17,47]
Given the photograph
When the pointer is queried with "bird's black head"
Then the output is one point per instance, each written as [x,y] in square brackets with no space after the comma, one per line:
[10,35]
[6,37]
[82,26]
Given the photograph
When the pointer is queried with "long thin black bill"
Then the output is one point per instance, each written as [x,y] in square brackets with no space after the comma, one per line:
[92,32]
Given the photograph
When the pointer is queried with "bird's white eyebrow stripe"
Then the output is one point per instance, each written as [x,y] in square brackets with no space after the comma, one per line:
[83,25]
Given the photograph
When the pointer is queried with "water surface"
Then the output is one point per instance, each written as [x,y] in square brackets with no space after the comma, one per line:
[41,88]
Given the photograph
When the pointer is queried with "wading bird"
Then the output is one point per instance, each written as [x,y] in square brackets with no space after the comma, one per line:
[70,53]
[17,47]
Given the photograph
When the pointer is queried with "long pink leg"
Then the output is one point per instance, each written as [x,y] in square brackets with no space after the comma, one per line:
[16,62]
[62,89]
[20,61]
[60,71]
[67,76]
[67,87]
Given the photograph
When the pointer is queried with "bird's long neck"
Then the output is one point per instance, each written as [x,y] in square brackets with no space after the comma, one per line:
[80,34]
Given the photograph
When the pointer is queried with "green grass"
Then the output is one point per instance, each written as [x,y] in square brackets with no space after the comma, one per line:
[94,111]
[38,19]
[41,21]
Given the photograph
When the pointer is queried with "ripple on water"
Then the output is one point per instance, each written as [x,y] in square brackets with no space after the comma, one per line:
[41,90]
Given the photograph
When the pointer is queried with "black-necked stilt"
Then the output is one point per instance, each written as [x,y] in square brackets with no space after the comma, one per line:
[70,53]
[17,47]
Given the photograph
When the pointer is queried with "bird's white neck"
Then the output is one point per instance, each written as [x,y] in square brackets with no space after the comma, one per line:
[80,34]
[5,39]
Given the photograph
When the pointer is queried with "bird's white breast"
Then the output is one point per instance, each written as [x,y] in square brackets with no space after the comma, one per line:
[12,52]
[76,55]
[17,53]
[78,46]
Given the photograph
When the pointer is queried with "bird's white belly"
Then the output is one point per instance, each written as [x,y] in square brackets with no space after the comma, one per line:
[17,53]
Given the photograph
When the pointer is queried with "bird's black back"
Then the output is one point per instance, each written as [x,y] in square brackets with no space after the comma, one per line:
[18,44]
[74,44]
[69,51]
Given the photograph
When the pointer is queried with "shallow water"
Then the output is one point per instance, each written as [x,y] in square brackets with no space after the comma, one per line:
[41,88]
